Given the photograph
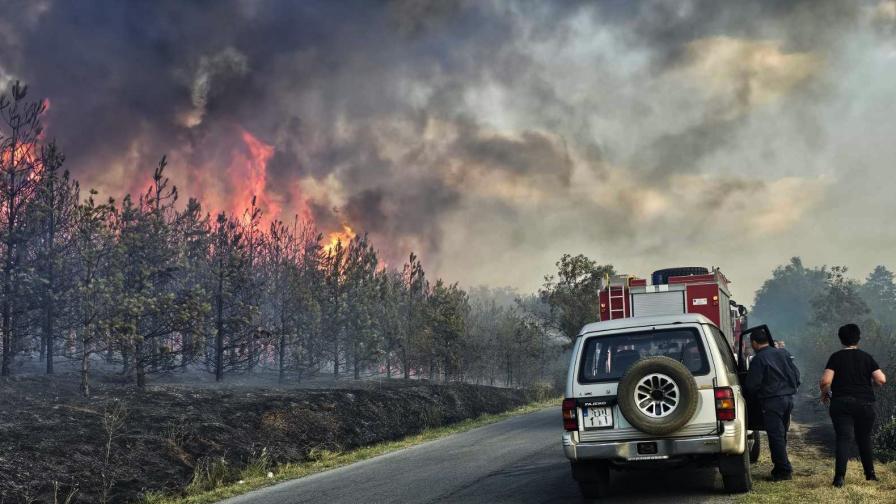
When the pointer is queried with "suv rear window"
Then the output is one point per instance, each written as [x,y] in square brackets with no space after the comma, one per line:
[607,358]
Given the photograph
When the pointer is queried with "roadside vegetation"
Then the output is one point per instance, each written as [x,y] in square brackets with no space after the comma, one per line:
[260,473]
[180,440]
[804,306]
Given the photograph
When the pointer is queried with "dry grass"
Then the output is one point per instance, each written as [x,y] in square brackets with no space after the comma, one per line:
[169,429]
[323,460]
[812,476]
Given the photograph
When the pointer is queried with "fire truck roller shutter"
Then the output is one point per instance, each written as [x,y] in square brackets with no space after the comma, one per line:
[662,276]
[658,303]
[725,317]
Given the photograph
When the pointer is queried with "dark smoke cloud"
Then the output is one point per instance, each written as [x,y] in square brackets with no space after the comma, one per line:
[488,135]
[682,151]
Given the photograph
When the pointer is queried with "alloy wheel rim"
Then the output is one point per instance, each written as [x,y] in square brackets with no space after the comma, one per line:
[657,395]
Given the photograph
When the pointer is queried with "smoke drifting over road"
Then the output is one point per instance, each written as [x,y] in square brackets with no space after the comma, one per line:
[491,136]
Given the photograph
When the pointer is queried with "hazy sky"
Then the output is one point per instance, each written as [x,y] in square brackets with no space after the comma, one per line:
[492,136]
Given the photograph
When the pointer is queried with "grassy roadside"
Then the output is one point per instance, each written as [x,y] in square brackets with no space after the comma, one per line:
[813,473]
[258,475]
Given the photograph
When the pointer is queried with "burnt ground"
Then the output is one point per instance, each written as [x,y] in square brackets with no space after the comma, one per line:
[52,440]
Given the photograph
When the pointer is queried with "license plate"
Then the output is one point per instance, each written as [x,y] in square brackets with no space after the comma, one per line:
[597,418]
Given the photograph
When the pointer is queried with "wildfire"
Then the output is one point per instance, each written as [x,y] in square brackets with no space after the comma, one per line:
[336,237]
[24,155]
[248,172]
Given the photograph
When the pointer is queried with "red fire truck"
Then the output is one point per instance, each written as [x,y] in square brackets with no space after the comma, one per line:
[674,291]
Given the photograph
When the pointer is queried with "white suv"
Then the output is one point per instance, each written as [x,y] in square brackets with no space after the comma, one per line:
[651,391]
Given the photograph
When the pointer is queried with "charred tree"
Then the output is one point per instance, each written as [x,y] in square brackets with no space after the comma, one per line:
[19,171]
[52,214]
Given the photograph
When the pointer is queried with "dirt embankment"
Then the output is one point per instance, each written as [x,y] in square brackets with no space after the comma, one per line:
[51,440]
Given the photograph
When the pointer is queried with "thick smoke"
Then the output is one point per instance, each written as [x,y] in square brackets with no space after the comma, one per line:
[491,136]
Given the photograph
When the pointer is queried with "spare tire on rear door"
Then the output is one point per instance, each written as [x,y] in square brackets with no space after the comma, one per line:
[657,395]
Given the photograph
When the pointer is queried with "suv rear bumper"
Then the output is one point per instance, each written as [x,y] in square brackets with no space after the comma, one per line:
[628,450]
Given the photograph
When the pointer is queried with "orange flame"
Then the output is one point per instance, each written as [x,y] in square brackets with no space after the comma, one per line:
[22,154]
[248,172]
[343,237]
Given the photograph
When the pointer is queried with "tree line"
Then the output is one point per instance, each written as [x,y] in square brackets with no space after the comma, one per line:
[149,284]
[804,306]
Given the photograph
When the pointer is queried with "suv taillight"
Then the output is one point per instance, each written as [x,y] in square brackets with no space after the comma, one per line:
[724,404]
[570,422]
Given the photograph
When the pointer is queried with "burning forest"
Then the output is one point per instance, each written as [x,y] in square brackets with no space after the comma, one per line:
[106,296]
[239,235]
[152,284]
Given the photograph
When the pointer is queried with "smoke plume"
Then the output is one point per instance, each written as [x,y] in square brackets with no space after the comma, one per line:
[491,136]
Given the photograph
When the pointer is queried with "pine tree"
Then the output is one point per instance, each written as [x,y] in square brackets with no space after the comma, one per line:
[19,173]
[415,289]
[280,277]
[254,239]
[194,236]
[97,285]
[389,298]
[155,309]
[308,303]
[448,309]
[232,310]
[334,302]
[363,335]
[52,218]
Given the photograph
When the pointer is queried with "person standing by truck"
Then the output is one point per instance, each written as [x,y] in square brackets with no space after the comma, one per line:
[773,379]
[846,386]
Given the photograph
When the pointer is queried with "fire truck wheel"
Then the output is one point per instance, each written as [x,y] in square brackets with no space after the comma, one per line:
[657,395]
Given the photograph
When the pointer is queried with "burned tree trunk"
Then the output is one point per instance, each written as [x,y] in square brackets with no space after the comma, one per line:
[356,361]
[219,326]
[139,365]
[283,341]
[49,317]
[85,366]
[336,357]
[6,368]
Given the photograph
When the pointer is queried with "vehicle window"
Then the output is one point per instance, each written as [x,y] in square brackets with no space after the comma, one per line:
[724,349]
[607,358]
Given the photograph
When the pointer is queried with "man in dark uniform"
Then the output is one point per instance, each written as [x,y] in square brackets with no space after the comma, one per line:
[773,379]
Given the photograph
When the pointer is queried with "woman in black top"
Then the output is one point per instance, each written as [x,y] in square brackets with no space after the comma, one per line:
[846,385]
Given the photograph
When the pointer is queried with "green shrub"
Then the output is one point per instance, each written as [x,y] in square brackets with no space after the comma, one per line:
[258,465]
[885,440]
[209,473]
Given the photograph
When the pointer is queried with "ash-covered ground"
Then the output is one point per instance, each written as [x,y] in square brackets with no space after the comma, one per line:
[52,440]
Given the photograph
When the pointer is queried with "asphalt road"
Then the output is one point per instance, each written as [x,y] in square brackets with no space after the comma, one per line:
[518,460]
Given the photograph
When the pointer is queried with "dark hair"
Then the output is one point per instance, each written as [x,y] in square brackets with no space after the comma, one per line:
[849,334]
[759,336]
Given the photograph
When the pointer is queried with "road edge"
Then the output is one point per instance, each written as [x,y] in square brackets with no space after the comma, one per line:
[326,460]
